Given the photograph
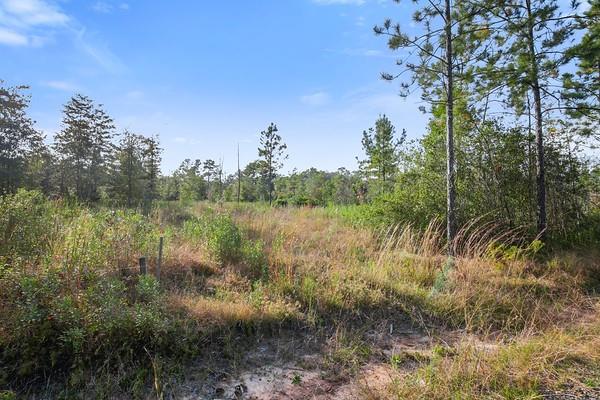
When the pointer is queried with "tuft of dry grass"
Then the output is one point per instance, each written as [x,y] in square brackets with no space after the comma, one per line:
[560,359]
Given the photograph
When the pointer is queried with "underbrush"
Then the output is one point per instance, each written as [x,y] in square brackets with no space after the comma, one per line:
[73,305]
[72,300]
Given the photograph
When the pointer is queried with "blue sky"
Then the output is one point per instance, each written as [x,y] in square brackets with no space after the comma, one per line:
[206,75]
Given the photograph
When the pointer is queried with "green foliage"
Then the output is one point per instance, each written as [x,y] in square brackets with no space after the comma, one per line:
[272,150]
[381,148]
[84,146]
[87,235]
[253,255]
[220,235]
[496,179]
[19,140]
[55,327]
[26,222]
[317,188]
[147,289]
[7,395]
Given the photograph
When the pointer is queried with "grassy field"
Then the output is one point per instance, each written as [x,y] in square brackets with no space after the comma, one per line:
[286,303]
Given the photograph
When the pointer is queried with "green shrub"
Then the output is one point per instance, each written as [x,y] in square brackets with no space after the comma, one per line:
[26,226]
[171,213]
[254,257]
[54,327]
[106,239]
[147,289]
[219,234]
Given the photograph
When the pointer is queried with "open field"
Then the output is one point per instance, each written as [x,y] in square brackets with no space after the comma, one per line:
[308,199]
[260,302]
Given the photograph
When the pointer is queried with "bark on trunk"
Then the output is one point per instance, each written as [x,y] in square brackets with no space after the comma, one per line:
[539,130]
[450,168]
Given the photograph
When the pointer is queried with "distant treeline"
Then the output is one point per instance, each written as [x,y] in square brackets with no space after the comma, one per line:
[400,181]
[514,102]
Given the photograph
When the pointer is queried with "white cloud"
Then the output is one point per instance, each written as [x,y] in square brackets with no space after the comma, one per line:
[102,7]
[361,52]
[316,99]
[11,38]
[61,85]
[340,2]
[107,7]
[30,13]
[98,51]
[35,23]
[29,22]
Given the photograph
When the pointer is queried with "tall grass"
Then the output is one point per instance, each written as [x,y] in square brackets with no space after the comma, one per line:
[72,303]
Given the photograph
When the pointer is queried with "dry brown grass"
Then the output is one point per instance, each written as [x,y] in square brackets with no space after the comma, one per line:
[559,359]
[321,273]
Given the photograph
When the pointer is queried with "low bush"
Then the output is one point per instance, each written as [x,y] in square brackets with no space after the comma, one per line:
[218,233]
[56,322]
[26,226]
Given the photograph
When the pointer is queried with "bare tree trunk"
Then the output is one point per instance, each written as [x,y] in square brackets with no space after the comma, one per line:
[539,131]
[451,167]
[270,186]
[533,202]
[239,187]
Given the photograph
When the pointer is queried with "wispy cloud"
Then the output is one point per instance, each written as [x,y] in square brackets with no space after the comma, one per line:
[98,51]
[30,13]
[320,98]
[62,85]
[102,7]
[26,22]
[106,7]
[35,23]
[135,95]
[362,52]
[12,38]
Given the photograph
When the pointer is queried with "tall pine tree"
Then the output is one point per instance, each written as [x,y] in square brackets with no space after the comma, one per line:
[18,137]
[272,150]
[381,147]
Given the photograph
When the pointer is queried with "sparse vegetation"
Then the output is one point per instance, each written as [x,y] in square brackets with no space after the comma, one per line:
[77,308]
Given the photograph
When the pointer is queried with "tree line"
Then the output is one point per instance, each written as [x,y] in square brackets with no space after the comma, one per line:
[513,93]
[84,162]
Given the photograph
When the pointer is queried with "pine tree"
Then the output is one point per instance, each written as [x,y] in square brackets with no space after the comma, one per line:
[129,174]
[381,148]
[18,137]
[272,150]
[526,50]
[437,57]
[582,88]
[84,146]
[210,173]
[102,152]
[189,176]
[151,160]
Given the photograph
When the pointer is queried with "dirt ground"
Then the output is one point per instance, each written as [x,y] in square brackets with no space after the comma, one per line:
[292,368]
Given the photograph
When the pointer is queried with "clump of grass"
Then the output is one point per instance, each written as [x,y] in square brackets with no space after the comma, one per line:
[219,234]
[559,358]
[348,352]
